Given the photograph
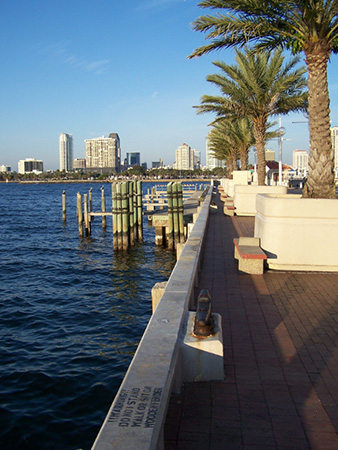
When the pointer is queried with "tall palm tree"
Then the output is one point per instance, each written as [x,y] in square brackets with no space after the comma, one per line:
[258,87]
[244,138]
[223,146]
[230,140]
[309,26]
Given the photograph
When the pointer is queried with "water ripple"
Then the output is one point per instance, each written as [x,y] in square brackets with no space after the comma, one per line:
[72,312]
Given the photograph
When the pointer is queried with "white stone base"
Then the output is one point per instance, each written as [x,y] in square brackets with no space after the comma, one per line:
[245,197]
[202,358]
[298,233]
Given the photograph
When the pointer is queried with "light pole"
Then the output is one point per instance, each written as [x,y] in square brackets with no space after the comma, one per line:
[281,131]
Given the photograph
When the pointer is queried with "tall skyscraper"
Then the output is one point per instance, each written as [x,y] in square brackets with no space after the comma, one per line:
[103,152]
[66,151]
[186,158]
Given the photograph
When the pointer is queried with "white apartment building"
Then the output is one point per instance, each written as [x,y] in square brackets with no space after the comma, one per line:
[103,152]
[300,162]
[66,152]
[4,168]
[334,137]
[187,158]
[30,165]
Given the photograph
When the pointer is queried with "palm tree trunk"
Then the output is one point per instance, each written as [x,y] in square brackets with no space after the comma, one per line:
[320,183]
[259,133]
[231,164]
[244,158]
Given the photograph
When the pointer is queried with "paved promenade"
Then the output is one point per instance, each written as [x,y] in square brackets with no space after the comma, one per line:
[280,334]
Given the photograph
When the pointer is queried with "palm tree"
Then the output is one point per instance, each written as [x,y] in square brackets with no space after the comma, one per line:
[236,134]
[309,26]
[223,144]
[258,87]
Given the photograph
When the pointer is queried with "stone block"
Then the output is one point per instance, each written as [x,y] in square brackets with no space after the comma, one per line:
[251,266]
[202,358]
[157,292]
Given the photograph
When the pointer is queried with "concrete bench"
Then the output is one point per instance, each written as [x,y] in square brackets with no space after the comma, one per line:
[229,207]
[249,254]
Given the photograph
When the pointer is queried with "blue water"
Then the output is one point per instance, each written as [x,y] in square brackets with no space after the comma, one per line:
[72,312]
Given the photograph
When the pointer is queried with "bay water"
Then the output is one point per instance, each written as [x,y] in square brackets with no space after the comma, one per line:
[72,311]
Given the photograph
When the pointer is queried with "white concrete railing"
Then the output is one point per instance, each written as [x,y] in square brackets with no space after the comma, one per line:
[136,417]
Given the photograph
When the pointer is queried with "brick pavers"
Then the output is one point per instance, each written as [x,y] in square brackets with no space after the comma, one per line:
[280,335]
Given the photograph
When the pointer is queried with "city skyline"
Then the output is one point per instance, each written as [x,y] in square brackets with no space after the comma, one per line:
[59,76]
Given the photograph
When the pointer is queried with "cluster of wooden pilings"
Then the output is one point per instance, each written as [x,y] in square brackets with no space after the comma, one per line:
[175,228]
[83,213]
[126,213]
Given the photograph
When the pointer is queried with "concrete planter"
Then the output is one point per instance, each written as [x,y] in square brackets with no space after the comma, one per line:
[227,185]
[298,233]
[245,197]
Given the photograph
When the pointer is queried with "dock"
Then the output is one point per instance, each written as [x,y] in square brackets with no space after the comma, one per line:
[280,336]
[159,218]
[170,209]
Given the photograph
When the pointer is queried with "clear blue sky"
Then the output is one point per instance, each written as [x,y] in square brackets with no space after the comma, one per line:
[90,68]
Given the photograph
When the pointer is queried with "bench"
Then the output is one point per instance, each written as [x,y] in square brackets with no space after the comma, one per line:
[229,208]
[250,255]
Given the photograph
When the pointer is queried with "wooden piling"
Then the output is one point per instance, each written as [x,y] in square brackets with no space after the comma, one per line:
[125,215]
[114,214]
[131,212]
[90,196]
[170,231]
[135,210]
[79,213]
[86,215]
[103,208]
[139,211]
[64,206]
[175,214]
[119,216]
[180,212]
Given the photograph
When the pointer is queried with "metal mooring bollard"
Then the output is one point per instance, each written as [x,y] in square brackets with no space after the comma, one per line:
[204,321]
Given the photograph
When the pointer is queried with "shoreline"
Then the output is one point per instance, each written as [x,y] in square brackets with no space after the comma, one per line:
[183,180]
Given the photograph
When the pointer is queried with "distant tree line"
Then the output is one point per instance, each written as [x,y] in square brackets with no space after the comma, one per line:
[133,172]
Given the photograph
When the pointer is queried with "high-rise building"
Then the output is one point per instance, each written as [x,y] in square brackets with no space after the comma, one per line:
[79,163]
[197,159]
[133,159]
[184,158]
[334,137]
[300,162]
[103,152]
[212,162]
[66,151]
[30,165]
[157,164]
[4,168]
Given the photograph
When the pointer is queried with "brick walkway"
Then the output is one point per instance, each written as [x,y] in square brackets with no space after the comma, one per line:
[280,357]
